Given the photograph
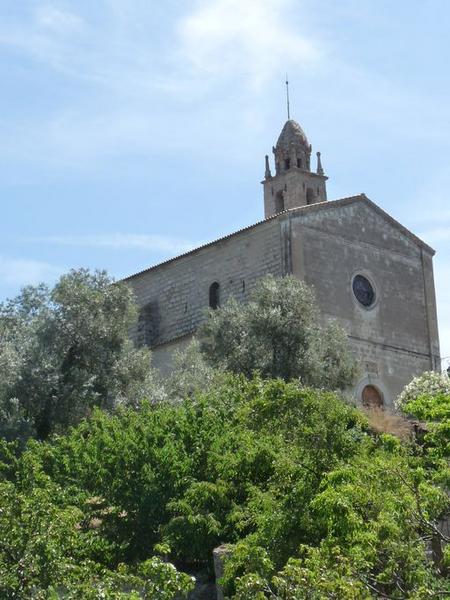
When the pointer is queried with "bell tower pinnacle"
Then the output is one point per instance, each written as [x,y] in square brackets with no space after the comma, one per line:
[294,184]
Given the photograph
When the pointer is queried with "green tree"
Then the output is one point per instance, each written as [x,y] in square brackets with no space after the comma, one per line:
[312,502]
[67,349]
[278,333]
[369,527]
[428,399]
[190,374]
[51,549]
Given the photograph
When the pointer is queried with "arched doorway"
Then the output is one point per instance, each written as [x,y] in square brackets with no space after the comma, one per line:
[371,397]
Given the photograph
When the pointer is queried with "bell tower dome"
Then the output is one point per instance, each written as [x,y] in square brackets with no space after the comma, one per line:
[294,184]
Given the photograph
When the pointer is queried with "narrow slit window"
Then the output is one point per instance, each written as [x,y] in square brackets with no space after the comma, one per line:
[279,202]
[214,295]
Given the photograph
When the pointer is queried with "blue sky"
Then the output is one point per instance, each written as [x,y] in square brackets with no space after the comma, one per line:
[132,130]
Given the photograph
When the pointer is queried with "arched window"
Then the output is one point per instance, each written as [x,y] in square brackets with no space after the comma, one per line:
[214,295]
[279,202]
[148,325]
[309,196]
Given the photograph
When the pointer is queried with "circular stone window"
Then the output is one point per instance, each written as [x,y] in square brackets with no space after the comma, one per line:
[363,290]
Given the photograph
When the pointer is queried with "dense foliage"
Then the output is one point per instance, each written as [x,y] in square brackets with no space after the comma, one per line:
[64,351]
[313,499]
[313,504]
[430,384]
[278,334]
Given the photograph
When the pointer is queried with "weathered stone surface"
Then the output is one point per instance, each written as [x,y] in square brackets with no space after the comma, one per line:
[178,291]
[294,184]
[326,244]
[220,555]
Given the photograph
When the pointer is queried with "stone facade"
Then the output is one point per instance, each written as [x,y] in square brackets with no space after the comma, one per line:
[175,294]
[330,245]
[396,337]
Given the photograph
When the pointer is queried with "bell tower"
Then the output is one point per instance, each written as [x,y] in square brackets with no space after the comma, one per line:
[294,184]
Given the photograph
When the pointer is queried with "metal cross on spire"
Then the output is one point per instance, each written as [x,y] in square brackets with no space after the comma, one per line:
[287,97]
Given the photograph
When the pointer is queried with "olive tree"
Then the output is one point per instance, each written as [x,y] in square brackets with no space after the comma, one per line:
[67,349]
[278,333]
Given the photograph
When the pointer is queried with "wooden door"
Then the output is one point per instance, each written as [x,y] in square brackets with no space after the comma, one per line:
[371,397]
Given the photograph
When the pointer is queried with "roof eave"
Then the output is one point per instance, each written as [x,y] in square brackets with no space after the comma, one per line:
[325,205]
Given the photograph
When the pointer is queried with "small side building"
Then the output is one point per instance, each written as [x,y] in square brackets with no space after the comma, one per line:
[369,273]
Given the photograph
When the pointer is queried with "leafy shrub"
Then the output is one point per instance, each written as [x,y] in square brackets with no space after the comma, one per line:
[428,384]
[66,350]
[313,501]
[428,399]
[278,334]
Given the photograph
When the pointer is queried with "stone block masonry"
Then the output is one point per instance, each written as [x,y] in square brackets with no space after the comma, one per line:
[369,273]
[326,245]
[175,294]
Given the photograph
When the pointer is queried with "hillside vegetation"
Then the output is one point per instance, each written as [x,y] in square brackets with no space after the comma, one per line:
[126,498]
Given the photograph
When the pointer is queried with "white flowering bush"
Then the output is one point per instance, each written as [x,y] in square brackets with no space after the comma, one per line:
[429,383]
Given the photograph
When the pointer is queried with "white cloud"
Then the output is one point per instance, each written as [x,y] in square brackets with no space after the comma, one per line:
[106,52]
[49,35]
[119,241]
[126,74]
[213,38]
[60,21]
[207,66]
[19,271]
[252,38]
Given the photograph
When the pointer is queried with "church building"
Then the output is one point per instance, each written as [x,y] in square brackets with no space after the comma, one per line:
[369,273]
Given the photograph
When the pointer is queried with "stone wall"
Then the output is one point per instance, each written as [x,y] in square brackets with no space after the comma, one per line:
[326,245]
[177,292]
[292,187]
[396,338]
